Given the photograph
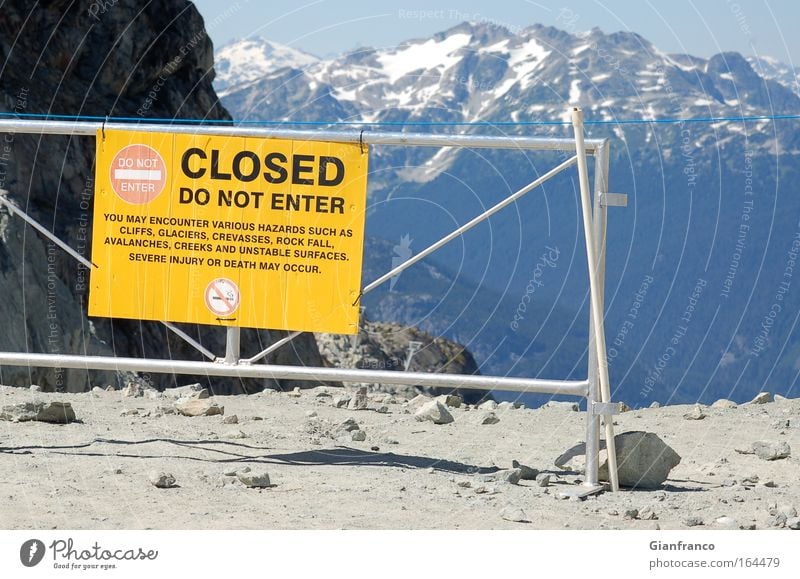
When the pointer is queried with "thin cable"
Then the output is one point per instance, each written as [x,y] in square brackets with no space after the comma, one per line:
[50,116]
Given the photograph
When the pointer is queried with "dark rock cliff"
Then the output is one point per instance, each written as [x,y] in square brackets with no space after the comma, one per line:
[104,58]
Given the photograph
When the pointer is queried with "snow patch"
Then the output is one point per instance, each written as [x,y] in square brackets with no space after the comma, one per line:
[430,54]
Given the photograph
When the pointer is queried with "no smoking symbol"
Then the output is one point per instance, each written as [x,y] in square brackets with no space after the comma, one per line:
[222,296]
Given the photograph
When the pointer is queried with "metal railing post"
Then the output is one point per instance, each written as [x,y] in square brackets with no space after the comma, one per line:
[232,345]
[599,221]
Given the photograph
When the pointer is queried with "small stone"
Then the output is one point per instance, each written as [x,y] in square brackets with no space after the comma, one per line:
[779,398]
[510,476]
[383,409]
[348,425]
[231,419]
[375,448]
[359,401]
[648,514]
[132,390]
[130,412]
[526,472]
[340,401]
[543,480]
[254,479]
[558,405]
[631,514]
[693,522]
[488,405]
[793,523]
[451,400]
[358,436]
[655,404]
[788,510]
[777,521]
[465,484]
[51,412]
[780,424]
[770,450]
[198,407]
[762,398]
[234,434]
[770,484]
[623,407]
[311,413]
[750,479]
[696,413]
[35,388]
[505,405]
[418,401]
[727,523]
[161,480]
[434,411]
[514,514]
[295,393]
[489,418]
[98,390]
[189,391]
[724,403]
[745,450]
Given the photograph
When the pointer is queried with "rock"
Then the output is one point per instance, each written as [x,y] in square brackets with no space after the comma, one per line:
[696,413]
[623,407]
[132,390]
[514,514]
[254,479]
[359,401]
[777,521]
[543,480]
[161,480]
[198,407]
[724,403]
[358,436]
[779,398]
[510,476]
[189,391]
[793,523]
[418,401]
[762,398]
[348,425]
[231,419]
[341,401]
[745,450]
[693,522]
[451,400]
[526,472]
[383,409]
[489,418]
[234,434]
[655,404]
[488,405]
[631,514]
[311,414]
[295,392]
[233,471]
[648,514]
[727,523]
[505,405]
[39,411]
[98,390]
[643,460]
[130,412]
[558,405]
[788,510]
[770,450]
[433,411]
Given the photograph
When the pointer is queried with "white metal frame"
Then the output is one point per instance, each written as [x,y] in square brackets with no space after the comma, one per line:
[596,388]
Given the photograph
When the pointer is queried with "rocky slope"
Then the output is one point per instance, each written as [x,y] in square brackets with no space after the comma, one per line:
[92,58]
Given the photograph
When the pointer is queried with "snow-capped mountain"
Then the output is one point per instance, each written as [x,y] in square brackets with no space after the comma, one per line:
[694,262]
[244,60]
[773,69]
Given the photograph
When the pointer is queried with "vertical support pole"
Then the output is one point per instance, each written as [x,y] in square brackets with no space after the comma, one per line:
[599,217]
[596,308]
[232,346]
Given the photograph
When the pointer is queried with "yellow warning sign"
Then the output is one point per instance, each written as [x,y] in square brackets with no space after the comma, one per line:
[230,231]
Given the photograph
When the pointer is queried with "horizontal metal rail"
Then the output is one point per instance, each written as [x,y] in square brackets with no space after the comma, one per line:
[527,385]
[89,128]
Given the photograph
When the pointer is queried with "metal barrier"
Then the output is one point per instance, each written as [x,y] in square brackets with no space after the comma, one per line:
[596,388]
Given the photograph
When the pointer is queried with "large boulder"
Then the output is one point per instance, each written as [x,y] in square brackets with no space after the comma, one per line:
[644,461]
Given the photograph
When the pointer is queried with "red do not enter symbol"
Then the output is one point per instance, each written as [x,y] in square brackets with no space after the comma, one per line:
[138,174]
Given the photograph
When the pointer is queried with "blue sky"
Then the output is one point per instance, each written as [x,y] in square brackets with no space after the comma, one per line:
[329,27]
